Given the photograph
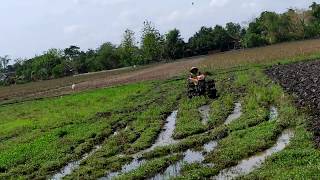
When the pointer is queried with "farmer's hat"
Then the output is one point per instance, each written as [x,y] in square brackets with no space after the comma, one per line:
[194,70]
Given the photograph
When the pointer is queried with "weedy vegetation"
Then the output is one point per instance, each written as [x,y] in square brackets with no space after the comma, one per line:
[40,137]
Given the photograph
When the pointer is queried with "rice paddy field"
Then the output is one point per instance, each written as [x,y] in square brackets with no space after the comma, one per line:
[127,127]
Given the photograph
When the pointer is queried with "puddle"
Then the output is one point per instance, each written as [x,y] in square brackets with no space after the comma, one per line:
[188,158]
[248,165]
[210,146]
[134,164]
[204,111]
[235,114]
[164,138]
[69,168]
[273,113]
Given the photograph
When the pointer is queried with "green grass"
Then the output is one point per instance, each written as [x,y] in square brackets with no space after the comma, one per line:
[64,128]
[300,160]
[150,168]
[189,120]
[252,132]
[139,135]
[221,109]
[39,137]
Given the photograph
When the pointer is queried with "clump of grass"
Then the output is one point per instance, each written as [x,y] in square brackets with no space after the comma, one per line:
[243,143]
[142,133]
[99,167]
[220,110]
[189,142]
[150,168]
[189,120]
[300,160]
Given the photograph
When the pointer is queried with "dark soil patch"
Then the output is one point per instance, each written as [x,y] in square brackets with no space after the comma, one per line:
[303,80]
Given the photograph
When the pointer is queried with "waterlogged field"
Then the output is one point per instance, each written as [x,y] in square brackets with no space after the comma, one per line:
[151,130]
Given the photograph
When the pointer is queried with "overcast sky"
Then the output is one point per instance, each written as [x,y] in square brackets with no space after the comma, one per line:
[29,27]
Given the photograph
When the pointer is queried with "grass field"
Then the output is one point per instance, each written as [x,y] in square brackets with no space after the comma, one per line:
[39,137]
[291,51]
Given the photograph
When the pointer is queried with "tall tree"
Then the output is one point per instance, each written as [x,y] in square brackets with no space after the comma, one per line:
[151,43]
[107,57]
[174,44]
[128,49]
[4,61]
[233,30]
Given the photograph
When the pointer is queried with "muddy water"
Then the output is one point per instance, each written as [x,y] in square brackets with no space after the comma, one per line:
[189,157]
[69,168]
[248,165]
[273,113]
[235,115]
[164,138]
[204,111]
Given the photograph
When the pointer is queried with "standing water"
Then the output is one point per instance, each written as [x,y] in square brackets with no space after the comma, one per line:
[196,156]
[204,111]
[248,165]
[189,157]
[235,115]
[69,168]
[164,138]
[273,113]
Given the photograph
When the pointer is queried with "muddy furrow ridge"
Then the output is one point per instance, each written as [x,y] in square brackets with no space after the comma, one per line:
[164,138]
[71,166]
[235,114]
[248,165]
[303,80]
[190,156]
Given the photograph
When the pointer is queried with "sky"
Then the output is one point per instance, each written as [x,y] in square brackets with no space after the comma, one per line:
[30,27]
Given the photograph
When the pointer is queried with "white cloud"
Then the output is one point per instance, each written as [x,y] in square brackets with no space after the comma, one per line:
[100,2]
[218,3]
[89,23]
[249,5]
[71,29]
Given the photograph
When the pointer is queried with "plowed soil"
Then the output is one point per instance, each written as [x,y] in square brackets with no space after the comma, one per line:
[303,80]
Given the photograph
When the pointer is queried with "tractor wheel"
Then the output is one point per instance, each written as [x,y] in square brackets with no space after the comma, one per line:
[211,89]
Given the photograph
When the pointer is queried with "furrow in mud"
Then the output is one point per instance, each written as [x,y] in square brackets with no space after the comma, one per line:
[248,165]
[164,138]
[303,80]
[70,167]
[204,111]
[189,157]
[235,114]
[273,113]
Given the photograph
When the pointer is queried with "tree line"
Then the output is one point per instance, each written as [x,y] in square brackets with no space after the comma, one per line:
[269,28]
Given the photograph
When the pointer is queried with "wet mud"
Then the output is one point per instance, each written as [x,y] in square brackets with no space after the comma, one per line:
[235,114]
[303,80]
[248,165]
[164,138]
[204,112]
[273,113]
[70,167]
[189,157]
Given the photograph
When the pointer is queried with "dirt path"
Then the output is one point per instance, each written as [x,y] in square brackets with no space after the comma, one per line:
[52,88]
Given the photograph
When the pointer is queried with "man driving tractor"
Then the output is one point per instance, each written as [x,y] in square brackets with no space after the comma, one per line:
[196,76]
[198,85]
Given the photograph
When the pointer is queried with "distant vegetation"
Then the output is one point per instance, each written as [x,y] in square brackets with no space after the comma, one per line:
[269,28]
